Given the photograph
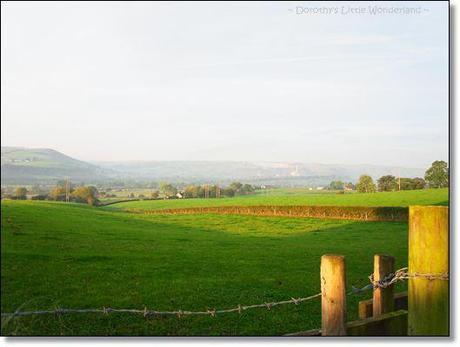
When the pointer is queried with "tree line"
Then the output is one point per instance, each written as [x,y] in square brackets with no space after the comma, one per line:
[64,191]
[214,191]
[436,176]
[191,191]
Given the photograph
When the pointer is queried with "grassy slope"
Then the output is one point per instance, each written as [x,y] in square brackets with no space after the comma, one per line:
[77,256]
[41,157]
[27,166]
[304,197]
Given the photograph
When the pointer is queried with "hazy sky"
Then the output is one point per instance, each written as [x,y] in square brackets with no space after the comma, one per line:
[237,81]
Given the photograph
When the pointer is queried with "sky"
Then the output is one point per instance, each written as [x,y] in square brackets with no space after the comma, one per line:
[324,82]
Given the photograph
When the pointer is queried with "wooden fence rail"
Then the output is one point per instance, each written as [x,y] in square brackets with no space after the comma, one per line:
[377,316]
[365,307]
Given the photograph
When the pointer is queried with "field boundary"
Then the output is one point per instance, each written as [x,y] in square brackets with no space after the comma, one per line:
[362,213]
[107,203]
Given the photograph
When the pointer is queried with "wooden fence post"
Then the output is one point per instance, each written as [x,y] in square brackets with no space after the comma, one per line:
[333,299]
[428,254]
[383,299]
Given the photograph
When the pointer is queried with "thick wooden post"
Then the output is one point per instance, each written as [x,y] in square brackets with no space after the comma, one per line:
[383,299]
[428,254]
[333,300]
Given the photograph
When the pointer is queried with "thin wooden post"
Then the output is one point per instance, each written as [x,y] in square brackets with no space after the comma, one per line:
[333,299]
[383,300]
[428,302]
[365,307]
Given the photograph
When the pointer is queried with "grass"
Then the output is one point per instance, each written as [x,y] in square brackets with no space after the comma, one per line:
[76,256]
[302,197]
[123,193]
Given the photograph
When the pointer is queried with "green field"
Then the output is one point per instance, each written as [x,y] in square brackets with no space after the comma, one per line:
[76,256]
[302,197]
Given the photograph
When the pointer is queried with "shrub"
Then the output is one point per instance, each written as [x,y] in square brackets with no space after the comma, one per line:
[39,197]
[390,214]
[86,194]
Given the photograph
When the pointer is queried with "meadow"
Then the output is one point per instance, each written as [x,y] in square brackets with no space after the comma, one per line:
[285,197]
[77,256]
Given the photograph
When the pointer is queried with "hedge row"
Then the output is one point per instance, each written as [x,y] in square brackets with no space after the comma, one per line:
[387,214]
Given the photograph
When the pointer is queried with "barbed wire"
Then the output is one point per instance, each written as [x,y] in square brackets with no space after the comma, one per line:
[399,275]
[179,313]
[402,274]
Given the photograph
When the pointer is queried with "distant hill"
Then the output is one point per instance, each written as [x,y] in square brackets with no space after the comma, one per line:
[41,165]
[273,173]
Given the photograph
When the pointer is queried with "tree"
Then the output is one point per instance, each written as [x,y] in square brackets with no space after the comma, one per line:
[247,189]
[168,190]
[213,191]
[387,183]
[66,183]
[336,185]
[86,194]
[437,176]
[349,186]
[365,184]
[229,192]
[201,192]
[406,183]
[412,183]
[419,183]
[20,193]
[155,194]
[236,186]
[191,191]
[57,193]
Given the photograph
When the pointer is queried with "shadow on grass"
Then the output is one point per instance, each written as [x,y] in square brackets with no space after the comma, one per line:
[443,203]
[123,260]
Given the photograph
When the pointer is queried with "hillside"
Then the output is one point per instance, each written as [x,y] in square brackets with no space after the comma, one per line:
[41,165]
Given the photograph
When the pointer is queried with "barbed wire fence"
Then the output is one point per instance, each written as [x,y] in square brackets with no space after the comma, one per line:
[179,313]
[397,276]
